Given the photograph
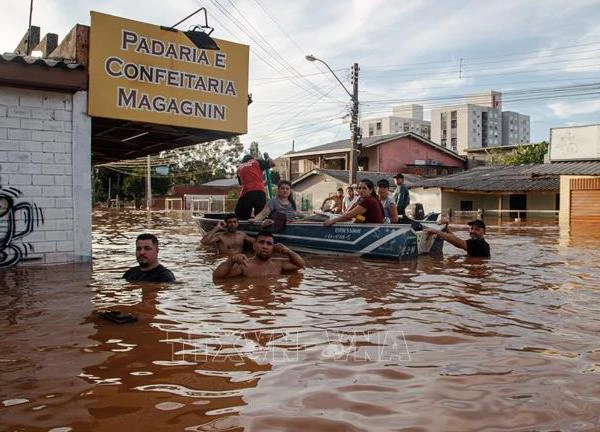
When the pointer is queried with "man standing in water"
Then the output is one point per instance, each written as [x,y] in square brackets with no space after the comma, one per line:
[262,263]
[148,270]
[229,242]
[476,246]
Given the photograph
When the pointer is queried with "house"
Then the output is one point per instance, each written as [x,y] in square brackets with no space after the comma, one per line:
[213,192]
[311,189]
[406,152]
[494,189]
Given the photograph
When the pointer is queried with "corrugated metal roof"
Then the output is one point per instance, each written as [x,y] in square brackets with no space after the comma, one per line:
[59,64]
[568,168]
[511,178]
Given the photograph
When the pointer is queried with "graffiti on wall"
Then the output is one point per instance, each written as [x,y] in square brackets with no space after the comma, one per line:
[17,220]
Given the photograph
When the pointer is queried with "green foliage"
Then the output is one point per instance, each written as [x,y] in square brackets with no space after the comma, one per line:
[275,177]
[205,162]
[523,154]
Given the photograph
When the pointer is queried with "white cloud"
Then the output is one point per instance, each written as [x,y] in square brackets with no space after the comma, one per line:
[408,51]
[569,109]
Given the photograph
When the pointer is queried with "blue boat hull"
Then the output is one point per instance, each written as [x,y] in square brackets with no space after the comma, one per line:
[387,241]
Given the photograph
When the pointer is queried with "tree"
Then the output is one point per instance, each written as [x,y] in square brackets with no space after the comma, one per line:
[523,154]
[205,162]
[134,186]
[254,151]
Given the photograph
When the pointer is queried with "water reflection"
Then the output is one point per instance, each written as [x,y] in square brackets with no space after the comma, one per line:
[439,343]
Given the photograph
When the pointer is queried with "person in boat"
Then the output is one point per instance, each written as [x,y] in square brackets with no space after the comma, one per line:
[334,204]
[252,196]
[401,197]
[390,212]
[350,199]
[149,269]
[476,245]
[226,237]
[262,263]
[368,209]
[283,203]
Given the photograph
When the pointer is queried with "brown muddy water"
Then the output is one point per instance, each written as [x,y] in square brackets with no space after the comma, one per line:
[437,344]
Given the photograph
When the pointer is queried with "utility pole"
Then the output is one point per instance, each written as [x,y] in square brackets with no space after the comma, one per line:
[354,127]
[355,134]
[148,184]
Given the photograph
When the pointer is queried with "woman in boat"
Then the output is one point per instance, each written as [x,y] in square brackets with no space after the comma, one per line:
[368,206]
[283,203]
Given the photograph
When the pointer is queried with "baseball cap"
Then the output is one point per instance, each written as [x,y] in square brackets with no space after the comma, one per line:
[384,183]
[477,223]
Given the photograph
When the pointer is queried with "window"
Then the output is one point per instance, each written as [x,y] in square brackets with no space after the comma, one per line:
[378,126]
[444,142]
[406,127]
[466,205]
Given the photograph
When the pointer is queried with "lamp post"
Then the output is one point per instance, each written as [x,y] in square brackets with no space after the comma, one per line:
[354,129]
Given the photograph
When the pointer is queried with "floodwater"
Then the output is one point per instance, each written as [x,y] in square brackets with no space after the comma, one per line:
[437,344]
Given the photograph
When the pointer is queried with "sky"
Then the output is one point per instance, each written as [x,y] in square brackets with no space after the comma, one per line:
[544,56]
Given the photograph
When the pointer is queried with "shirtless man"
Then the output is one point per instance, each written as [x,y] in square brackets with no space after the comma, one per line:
[229,242]
[262,263]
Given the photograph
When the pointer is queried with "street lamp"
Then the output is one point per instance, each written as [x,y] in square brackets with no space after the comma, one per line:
[354,129]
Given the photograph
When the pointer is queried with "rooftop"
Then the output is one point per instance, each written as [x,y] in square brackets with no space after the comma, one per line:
[344,145]
[506,178]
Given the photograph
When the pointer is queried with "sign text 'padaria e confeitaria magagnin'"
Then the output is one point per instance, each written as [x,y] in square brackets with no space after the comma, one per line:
[167,77]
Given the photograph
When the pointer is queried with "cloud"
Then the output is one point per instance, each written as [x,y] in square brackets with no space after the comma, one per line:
[569,109]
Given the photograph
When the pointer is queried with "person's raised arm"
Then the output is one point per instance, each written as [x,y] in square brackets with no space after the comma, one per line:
[295,261]
[248,239]
[450,237]
[232,266]
[211,237]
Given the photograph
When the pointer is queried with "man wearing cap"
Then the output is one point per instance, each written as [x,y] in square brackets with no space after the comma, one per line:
[390,214]
[476,246]
[401,196]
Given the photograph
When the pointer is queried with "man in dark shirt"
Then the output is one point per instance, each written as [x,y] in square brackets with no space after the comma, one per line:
[401,196]
[476,246]
[149,270]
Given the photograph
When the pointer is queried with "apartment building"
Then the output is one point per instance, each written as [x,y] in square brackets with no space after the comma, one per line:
[478,123]
[515,128]
[404,118]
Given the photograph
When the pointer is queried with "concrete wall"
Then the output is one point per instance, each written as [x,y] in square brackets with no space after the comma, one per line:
[45,163]
[317,188]
[430,198]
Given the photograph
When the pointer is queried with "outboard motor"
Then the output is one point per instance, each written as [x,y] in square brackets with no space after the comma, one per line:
[415,211]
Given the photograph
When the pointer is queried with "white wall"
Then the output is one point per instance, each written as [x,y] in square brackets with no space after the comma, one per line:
[431,198]
[45,153]
[575,143]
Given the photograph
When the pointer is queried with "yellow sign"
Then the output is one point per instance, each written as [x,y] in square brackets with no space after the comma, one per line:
[140,72]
